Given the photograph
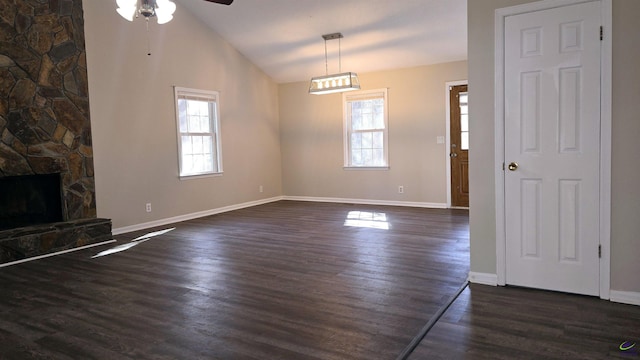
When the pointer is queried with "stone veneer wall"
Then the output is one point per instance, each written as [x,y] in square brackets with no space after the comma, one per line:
[44,101]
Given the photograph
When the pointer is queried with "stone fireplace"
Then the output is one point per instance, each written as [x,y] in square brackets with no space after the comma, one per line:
[45,131]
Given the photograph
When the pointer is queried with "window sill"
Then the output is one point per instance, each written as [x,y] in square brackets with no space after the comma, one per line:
[365,167]
[199,176]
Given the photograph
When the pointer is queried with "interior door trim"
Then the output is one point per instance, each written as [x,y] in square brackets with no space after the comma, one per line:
[605,134]
[447,100]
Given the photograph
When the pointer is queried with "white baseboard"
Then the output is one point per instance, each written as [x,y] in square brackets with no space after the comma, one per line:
[195,215]
[483,278]
[175,219]
[625,297]
[367,202]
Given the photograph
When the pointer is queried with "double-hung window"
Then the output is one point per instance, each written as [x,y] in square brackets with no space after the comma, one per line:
[198,132]
[365,129]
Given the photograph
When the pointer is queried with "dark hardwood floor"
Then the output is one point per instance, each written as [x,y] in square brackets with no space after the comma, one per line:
[488,322]
[286,280]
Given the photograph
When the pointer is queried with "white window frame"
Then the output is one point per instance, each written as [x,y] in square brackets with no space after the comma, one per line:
[349,97]
[212,97]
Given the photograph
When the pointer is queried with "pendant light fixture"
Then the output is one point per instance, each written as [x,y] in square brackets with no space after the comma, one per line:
[161,9]
[334,83]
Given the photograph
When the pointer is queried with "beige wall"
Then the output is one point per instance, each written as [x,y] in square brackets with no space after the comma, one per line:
[312,138]
[625,209]
[133,117]
[625,241]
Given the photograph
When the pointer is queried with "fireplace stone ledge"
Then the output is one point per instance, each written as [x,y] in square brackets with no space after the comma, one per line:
[30,241]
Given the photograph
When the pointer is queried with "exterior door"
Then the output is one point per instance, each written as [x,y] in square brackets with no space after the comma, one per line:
[459,154]
[552,148]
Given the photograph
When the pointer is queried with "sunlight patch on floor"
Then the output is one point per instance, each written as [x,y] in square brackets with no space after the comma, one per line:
[134,242]
[367,219]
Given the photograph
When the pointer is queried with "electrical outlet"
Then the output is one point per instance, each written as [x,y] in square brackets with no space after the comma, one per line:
[261,189]
[148,207]
[400,189]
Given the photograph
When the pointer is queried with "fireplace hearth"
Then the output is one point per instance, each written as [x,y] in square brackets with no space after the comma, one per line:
[26,242]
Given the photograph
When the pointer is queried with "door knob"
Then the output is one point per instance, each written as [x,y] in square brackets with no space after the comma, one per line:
[453,155]
[513,166]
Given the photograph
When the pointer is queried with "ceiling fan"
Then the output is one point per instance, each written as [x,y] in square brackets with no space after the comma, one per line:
[223,2]
[162,9]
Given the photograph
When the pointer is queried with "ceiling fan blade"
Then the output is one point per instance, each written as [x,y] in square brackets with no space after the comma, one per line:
[223,2]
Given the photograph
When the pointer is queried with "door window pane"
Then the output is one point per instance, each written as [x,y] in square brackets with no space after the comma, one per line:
[464,140]
[464,121]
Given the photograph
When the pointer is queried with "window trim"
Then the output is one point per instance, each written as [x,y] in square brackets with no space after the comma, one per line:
[364,95]
[213,96]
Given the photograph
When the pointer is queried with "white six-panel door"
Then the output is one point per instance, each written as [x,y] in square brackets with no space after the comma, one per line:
[552,142]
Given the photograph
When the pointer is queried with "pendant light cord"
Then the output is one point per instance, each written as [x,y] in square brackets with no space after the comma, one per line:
[339,55]
[326,64]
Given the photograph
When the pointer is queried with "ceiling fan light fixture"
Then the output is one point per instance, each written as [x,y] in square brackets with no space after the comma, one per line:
[165,10]
[163,19]
[334,83]
[162,9]
[125,3]
[127,8]
[147,8]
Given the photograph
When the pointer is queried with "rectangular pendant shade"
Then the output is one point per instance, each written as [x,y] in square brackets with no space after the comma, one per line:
[334,83]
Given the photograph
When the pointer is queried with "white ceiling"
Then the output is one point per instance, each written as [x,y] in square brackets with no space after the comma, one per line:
[284,37]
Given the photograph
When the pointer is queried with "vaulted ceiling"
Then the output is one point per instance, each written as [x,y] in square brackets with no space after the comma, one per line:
[284,37]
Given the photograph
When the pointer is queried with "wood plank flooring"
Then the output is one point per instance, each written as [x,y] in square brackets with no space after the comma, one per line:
[286,280]
[488,322]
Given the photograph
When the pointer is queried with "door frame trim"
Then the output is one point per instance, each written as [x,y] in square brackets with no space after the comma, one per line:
[447,141]
[605,133]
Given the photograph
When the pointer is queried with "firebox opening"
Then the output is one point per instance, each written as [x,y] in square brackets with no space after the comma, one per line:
[30,200]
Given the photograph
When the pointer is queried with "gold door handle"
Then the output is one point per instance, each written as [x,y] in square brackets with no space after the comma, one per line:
[513,166]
